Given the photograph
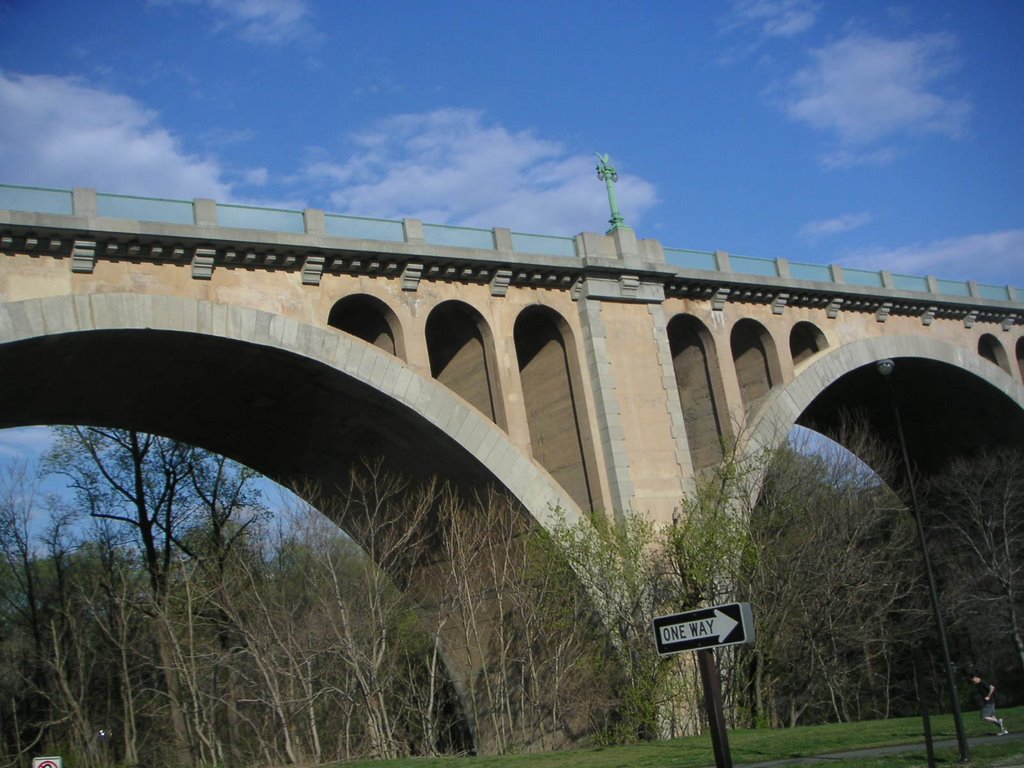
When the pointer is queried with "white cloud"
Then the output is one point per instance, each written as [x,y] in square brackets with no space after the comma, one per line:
[256,177]
[265,21]
[61,133]
[752,24]
[774,18]
[996,258]
[449,167]
[815,231]
[866,89]
[848,158]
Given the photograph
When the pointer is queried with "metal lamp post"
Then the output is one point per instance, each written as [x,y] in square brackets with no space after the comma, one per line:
[885,368]
[606,172]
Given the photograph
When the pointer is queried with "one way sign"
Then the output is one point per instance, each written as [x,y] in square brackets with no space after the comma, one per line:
[705,628]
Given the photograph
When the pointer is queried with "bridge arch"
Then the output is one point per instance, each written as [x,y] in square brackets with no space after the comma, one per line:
[227,375]
[370,319]
[695,363]
[805,341]
[461,351]
[951,400]
[226,378]
[990,348]
[756,361]
[550,377]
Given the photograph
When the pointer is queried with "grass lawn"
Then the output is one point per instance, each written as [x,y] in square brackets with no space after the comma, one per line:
[754,746]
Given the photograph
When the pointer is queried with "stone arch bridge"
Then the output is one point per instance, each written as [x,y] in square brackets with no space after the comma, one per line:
[593,372]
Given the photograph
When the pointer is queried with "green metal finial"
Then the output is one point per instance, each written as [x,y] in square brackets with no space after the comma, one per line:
[606,172]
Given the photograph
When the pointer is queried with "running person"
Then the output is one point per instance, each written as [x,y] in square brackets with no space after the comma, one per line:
[988,701]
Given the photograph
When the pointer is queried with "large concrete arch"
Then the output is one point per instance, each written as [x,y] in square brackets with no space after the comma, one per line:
[932,372]
[296,402]
[216,374]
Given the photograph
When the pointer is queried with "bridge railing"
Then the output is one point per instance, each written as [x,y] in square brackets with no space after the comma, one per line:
[817,272]
[145,209]
[544,245]
[863,277]
[364,228]
[36,200]
[250,217]
[65,202]
[458,237]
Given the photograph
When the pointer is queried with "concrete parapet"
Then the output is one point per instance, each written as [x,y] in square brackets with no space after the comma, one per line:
[593,245]
[651,250]
[413,231]
[625,244]
[204,211]
[502,239]
[315,222]
[84,202]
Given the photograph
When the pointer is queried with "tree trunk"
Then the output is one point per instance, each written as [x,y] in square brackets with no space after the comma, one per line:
[164,644]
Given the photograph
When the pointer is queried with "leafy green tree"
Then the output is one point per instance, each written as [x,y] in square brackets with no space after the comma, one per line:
[616,560]
[709,544]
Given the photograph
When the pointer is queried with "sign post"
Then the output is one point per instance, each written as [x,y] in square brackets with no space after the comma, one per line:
[702,631]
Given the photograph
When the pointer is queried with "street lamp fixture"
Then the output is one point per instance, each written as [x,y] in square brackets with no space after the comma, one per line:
[606,172]
[886,368]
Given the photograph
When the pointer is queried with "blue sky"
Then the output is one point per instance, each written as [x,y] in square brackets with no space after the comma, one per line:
[869,134]
[873,134]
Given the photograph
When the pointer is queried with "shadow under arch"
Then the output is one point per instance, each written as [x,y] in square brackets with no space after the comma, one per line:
[288,399]
[460,346]
[951,400]
[755,360]
[552,394]
[694,358]
[370,319]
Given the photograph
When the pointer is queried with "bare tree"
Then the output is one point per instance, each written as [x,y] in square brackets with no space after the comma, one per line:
[179,502]
[109,594]
[387,515]
[977,512]
[832,582]
[24,614]
[136,479]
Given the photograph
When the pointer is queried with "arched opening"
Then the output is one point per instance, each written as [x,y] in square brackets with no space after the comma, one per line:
[1020,356]
[992,350]
[951,406]
[285,411]
[692,361]
[805,340]
[751,347]
[461,356]
[550,400]
[922,389]
[369,319]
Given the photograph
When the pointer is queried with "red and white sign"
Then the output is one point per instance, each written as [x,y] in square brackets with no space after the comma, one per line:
[47,762]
